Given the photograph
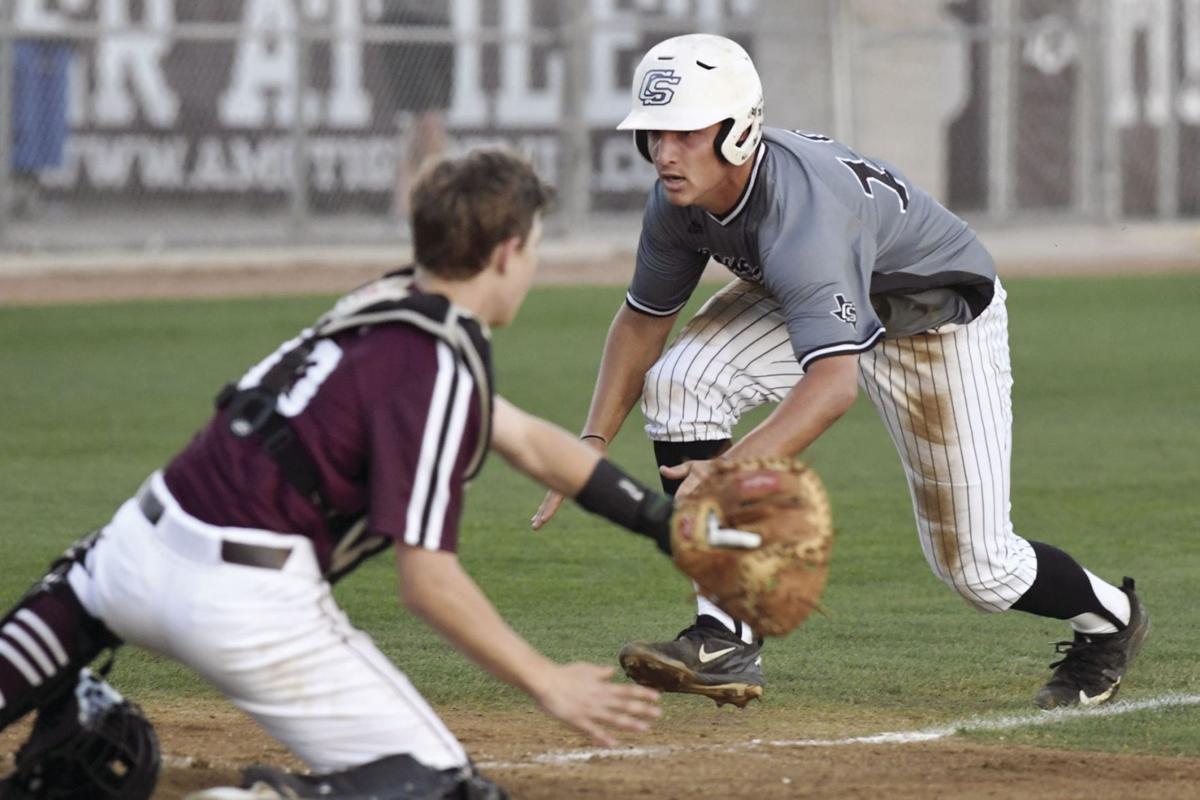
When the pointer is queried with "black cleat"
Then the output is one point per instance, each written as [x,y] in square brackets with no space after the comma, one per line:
[1091,668]
[706,658]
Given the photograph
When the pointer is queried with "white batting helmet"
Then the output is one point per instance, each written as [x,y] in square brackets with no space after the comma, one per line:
[690,82]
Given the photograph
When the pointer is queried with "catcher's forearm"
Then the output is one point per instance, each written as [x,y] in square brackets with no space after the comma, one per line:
[615,495]
[634,343]
[541,450]
[558,460]
[435,588]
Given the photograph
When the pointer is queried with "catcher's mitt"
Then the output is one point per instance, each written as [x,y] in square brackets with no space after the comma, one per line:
[774,586]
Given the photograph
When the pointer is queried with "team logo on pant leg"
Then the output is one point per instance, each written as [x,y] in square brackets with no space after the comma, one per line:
[656,87]
[845,310]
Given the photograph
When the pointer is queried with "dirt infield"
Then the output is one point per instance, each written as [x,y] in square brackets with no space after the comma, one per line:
[697,751]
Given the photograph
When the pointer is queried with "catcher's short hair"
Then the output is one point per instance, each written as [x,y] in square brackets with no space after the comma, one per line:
[88,744]
[462,208]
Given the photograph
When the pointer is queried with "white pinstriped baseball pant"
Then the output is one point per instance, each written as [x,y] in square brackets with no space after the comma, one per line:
[945,398]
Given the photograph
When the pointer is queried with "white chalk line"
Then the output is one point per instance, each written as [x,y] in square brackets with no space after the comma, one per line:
[971,724]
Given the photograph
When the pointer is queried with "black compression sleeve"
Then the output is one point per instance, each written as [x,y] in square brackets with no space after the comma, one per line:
[616,496]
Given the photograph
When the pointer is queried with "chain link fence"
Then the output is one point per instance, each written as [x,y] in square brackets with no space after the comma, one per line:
[155,123]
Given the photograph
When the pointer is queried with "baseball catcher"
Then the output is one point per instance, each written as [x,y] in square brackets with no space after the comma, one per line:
[358,435]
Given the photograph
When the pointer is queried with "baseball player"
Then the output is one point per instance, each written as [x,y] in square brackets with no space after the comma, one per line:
[847,276]
[360,433]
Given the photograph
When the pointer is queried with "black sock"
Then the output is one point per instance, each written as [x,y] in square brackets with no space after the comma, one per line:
[671,454]
[1061,589]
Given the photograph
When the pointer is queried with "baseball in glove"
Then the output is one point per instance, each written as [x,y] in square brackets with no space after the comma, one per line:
[772,587]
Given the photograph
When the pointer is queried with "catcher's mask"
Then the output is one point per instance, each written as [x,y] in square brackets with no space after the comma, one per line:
[90,744]
[687,83]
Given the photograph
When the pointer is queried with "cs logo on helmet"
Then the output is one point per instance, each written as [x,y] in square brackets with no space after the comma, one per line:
[656,87]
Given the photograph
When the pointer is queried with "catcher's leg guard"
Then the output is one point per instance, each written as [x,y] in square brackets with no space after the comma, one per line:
[46,639]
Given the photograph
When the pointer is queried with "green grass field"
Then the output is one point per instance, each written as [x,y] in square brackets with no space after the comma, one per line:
[1106,441]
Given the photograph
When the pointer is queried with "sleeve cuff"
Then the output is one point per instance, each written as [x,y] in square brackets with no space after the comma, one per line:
[653,311]
[841,348]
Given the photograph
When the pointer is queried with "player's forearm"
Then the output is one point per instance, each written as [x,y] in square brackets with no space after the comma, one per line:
[808,410]
[435,587]
[634,343]
[541,450]
[561,462]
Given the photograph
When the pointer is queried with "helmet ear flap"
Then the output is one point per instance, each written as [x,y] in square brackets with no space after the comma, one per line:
[719,139]
[642,140]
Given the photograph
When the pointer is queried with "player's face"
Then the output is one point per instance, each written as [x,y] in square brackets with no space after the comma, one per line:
[689,170]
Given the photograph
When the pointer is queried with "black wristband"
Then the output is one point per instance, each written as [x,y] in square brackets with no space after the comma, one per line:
[615,495]
[593,436]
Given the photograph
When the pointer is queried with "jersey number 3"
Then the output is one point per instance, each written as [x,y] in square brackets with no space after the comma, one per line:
[321,361]
[866,172]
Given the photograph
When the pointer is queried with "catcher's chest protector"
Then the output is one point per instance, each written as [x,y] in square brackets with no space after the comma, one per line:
[391,300]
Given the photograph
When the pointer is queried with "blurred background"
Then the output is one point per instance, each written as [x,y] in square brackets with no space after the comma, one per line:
[145,124]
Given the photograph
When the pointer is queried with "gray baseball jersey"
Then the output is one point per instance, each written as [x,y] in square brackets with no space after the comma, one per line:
[847,245]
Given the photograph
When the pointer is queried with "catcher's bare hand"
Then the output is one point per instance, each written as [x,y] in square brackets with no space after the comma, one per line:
[553,500]
[582,696]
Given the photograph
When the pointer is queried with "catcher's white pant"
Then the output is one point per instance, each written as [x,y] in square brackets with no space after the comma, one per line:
[273,640]
[944,397]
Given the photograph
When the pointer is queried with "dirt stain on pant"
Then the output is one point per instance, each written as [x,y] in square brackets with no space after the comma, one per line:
[930,419]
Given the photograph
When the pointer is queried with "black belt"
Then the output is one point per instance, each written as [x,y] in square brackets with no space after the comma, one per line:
[247,555]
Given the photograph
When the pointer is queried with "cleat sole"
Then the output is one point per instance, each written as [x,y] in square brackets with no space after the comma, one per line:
[656,671]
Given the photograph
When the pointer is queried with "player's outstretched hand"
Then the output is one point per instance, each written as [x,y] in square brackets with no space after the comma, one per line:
[546,510]
[582,696]
[553,500]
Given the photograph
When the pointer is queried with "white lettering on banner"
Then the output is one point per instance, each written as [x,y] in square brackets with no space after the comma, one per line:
[111,164]
[263,82]
[210,171]
[1189,90]
[353,165]
[340,163]
[1129,19]
[608,95]
[33,15]
[131,58]
[231,164]
[468,104]
[349,104]
[264,70]
[518,103]
[1052,47]
[162,161]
